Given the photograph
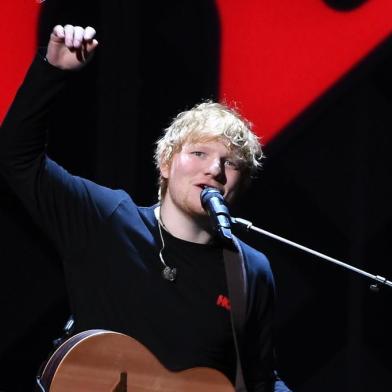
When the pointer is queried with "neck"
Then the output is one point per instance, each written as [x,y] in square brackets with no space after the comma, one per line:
[184,226]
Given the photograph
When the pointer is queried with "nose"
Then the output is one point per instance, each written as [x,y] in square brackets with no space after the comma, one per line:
[215,168]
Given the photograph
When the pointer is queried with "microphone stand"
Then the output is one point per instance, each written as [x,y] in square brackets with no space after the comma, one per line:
[377,278]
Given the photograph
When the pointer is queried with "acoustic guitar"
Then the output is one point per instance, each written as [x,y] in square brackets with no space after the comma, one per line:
[105,361]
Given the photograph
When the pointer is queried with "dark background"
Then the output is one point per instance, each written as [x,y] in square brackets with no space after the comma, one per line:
[325,184]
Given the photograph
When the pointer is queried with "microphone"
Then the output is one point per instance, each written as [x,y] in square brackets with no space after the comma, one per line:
[214,203]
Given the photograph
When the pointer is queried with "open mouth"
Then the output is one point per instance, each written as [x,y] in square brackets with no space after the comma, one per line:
[203,186]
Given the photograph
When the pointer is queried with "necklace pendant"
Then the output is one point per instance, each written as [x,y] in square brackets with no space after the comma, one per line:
[169,274]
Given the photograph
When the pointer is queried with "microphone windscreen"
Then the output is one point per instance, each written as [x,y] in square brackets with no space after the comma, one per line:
[207,193]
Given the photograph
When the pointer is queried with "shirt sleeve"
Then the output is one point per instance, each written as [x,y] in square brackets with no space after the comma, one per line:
[65,206]
[259,359]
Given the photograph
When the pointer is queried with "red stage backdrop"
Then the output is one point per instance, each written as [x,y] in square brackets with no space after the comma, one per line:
[18,19]
[279,56]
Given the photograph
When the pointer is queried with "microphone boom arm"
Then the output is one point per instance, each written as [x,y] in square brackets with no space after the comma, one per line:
[249,226]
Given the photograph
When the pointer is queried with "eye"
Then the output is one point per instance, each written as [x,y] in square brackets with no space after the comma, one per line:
[198,153]
[232,164]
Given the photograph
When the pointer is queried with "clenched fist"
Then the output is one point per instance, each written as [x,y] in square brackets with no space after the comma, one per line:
[71,46]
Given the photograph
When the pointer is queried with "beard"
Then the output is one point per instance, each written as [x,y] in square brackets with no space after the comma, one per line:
[189,204]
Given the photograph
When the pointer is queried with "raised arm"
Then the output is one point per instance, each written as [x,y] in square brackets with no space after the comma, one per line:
[70,47]
[23,133]
[58,201]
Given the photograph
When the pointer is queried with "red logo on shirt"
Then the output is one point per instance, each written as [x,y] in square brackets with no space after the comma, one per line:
[223,301]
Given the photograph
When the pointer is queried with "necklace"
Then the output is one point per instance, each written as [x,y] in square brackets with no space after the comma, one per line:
[168,273]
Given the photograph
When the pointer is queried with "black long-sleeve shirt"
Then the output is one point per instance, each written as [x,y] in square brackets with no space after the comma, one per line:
[110,251]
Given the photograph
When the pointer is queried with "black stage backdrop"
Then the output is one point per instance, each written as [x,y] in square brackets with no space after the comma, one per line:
[324,184]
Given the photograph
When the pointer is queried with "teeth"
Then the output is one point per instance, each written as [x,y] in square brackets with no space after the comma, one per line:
[204,186]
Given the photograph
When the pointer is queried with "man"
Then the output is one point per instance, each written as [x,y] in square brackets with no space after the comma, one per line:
[114,252]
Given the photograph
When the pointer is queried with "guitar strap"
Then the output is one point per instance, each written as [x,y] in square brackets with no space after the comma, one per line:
[237,290]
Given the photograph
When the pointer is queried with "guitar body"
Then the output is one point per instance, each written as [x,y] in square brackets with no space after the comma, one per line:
[105,361]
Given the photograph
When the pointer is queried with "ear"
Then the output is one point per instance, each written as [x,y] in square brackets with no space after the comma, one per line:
[164,170]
